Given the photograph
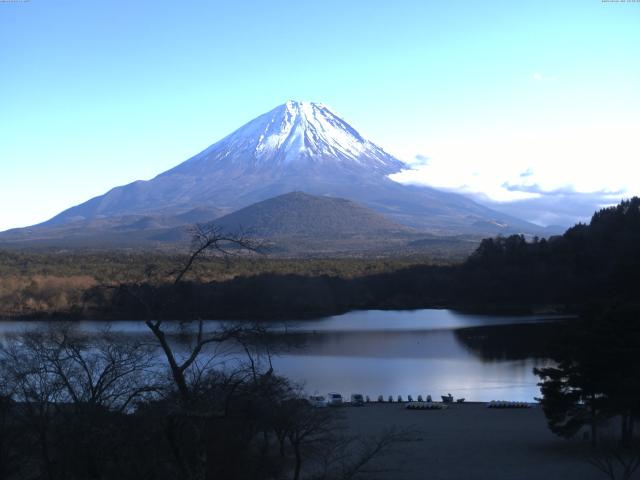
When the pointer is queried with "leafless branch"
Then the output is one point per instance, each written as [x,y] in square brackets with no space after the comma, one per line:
[616,461]
[211,238]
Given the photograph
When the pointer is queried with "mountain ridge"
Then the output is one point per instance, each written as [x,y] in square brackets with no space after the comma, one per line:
[298,146]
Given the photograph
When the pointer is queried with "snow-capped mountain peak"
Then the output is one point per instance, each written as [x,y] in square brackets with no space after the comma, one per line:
[305,128]
[296,134]
[297,146]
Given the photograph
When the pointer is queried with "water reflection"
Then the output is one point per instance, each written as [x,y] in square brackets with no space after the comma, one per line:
[404,363]
[358,320]
[479,357]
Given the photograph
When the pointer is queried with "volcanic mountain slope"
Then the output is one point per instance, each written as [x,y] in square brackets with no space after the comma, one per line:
[298,214]
[134,230]
[298,146]
[297,224]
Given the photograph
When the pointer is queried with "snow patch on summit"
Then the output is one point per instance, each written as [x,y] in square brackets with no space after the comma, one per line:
[300,133]
[306,128]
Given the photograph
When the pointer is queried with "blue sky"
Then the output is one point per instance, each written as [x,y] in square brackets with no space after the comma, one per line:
[519,104]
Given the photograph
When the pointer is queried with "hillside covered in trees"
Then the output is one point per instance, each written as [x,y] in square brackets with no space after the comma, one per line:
[598,261]
[588,263]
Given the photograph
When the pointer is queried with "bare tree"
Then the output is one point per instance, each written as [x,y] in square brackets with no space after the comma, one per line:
[206,238]
[92,369]
[210,238]
[180,365]
[354,457]
[615,460]
[37,394]
[66,387]
[184,364]
[317,438]
[12,438]
[306,429]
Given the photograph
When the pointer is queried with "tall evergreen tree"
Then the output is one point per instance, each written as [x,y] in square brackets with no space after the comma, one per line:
[597,376]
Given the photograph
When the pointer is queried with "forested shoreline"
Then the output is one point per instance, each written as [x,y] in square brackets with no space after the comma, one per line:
[594,263]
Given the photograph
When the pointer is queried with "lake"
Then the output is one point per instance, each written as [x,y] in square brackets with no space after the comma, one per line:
[373,352]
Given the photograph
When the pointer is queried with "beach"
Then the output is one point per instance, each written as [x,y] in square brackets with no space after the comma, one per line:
[471,441]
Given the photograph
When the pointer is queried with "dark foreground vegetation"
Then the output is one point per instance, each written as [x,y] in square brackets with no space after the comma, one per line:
[593,390]
[103,407]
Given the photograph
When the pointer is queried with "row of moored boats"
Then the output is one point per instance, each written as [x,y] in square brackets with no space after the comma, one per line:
[420,403]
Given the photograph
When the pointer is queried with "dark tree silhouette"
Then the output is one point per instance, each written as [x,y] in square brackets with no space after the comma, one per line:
[598,374]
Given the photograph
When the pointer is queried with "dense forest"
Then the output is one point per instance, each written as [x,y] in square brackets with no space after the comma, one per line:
[599,261]
[588,263]
[37,284]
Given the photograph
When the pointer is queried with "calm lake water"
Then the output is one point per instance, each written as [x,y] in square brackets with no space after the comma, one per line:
[373,352]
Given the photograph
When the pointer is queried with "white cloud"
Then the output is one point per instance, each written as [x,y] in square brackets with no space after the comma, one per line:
[602,164]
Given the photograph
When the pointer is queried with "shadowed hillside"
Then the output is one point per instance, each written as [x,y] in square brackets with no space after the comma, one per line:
[300,214]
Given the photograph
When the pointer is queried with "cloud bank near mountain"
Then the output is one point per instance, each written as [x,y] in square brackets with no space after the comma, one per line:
[549,178]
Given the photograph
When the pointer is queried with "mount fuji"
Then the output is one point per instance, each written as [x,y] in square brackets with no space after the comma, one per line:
[297,146]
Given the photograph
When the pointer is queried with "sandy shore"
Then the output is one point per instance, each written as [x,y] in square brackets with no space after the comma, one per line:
[473,442]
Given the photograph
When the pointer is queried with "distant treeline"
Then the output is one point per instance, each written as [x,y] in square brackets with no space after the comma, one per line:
[37,284]
[599,261]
